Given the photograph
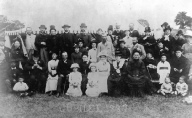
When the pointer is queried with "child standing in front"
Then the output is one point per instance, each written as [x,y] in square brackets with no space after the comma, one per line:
[75,79]
[92,85]
[166,87]
[181,87]
[163,69]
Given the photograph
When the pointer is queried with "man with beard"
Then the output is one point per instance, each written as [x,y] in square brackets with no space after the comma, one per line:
[53,43]
[85,36]
[41,44]
[30,42]
[67,40]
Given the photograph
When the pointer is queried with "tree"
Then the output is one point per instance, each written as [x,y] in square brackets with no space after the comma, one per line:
[183,20]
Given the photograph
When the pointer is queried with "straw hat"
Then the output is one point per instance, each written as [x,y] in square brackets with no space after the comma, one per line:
[75,65]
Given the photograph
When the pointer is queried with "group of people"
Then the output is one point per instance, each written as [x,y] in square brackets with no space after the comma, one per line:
[114,63]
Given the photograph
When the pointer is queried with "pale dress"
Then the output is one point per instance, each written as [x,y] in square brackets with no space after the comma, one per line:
[163,69]
[103,69]
[74,89]
[52,79]
[92,85]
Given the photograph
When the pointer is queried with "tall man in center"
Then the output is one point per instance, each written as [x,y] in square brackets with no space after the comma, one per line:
[85,36]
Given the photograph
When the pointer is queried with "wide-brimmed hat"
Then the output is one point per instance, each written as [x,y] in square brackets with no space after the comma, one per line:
[188,33]
[102,53]
[76,46]
[43,26]
[93,65]
[164,24]
[66,26]
[80,40]
[83,25]
[75,65]
[147,29]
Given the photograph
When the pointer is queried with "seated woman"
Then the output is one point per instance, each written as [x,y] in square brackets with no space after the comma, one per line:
[151,66]
[52,79]
[136,78]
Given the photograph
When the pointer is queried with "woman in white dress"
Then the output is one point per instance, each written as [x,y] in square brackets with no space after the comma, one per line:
[93,81]
[103,69]
[52,79]
[75,79]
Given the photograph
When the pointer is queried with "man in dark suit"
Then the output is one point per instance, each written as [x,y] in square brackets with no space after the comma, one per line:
[66,41]
[41,43]
[37,69]
[63,70]
[85,36]
[118,32]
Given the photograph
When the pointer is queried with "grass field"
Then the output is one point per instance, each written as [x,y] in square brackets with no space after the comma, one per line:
[43,106]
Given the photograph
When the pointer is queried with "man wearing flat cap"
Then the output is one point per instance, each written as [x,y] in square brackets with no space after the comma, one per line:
[67,41]
[85,36]
[41,43]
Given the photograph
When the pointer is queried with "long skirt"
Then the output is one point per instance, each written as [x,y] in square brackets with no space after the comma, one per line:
[51,84]
[103,76]
[74,91]
[92,91]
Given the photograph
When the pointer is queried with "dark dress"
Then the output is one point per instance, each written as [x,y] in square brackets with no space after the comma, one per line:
[136,80]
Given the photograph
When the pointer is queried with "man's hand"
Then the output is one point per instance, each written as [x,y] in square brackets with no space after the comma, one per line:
[61,75]
[181,70]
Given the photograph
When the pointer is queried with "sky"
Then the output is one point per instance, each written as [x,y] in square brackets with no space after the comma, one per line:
[95,13]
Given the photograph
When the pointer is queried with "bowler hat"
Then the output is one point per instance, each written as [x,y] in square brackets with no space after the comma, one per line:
[121,41]
[167,28]
[43,27]
[178,49]
[83,25]
[180,32]
[147,29]
[110,27]
[135,34]
[66,26]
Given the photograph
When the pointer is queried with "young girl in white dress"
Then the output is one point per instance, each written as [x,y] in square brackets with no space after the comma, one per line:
[163,69]
[181,87]
[52,79]
[75,79]
[92,85]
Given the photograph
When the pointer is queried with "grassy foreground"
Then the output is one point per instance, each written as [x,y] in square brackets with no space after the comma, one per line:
[43,106]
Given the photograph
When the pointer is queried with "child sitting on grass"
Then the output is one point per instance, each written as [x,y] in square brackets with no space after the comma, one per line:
[166,87]
[75,79]
[21,87]
[92,85]
[181,87]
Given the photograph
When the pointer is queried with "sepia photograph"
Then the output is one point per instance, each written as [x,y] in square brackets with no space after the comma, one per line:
[95,59]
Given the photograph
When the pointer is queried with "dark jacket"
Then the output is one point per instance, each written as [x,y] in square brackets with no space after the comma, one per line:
[35,71]
[125,53]
[86,38]
[64,67]
[84,67]
[53,43]
[169,44]
[41,38]
[66,42]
